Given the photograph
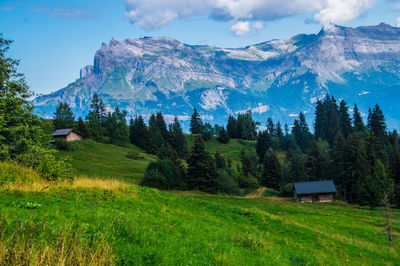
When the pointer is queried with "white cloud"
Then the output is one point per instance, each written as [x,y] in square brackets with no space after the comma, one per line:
[258,25]
[342,11]
[153,14]
[398,22]
[241,28]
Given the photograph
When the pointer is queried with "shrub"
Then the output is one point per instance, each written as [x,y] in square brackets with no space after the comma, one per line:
[47,165]
[53,169]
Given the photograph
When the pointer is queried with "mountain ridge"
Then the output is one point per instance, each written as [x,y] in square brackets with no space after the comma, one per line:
[276,78]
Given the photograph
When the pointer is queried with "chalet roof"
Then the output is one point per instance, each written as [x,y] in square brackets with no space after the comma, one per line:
[64,132]
[326,186]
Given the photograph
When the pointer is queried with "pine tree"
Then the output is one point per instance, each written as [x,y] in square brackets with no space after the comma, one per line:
[278,130]
[155,138]
[358,123]
[263,144]
[344,119]
[272,173]
[296,167]
[372,187]
[116,127]
[231,127]
[317,163]
[82,127]
[219,160]
[207,131]
[249,163]
[376,122]
[196,124]
[270,126]
[161,125]
[138,134]
[63,117]
[177,138]
[301,132]
[339,161]
[223,136]
[201,168]
[96,117]
[356,162]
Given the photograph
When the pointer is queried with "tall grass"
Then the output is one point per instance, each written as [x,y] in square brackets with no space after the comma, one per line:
[31,243]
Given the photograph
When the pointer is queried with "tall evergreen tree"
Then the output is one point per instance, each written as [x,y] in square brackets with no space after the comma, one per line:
[358,123]
[249,163]
[63,117]
[355,166]
[196,124]
[339,162]
[202,173]
[263,144]
[327,119]
[223,136]
[177,139]
[270,126]
[96,117]
[376,122]
[317,163]
[344,119]
[155,138]
[138,134]
[296,167]
[231,127]
[82,127]
[116,127]
[272,173]
[161,125]
[301,132]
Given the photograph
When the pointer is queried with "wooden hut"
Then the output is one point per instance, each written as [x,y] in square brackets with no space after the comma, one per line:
[67,134]
[314,191]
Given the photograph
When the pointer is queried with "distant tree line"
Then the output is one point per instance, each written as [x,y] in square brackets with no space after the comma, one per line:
[362,159]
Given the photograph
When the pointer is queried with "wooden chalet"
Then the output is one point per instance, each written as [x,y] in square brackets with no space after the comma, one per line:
[67,134]
[314,191]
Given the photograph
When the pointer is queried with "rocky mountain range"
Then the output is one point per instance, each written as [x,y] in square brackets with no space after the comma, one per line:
[275,79]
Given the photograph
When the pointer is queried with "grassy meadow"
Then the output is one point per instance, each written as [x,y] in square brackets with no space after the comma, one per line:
[97,221]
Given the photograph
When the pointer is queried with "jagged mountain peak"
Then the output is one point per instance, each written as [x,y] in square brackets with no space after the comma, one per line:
[276,78]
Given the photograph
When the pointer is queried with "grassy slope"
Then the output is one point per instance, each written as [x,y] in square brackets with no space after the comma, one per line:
[107,160]
[231,150]
[135,225]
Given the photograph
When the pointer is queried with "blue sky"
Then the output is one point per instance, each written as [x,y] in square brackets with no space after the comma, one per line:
[54,39]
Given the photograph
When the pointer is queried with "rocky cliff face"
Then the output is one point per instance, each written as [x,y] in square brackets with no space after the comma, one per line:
[277,78]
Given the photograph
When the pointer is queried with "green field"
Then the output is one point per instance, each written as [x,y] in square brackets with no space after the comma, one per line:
[97,221]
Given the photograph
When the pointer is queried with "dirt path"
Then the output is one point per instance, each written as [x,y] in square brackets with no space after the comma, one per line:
[257,193]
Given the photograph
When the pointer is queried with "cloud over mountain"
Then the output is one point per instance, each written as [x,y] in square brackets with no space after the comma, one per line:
[154,14]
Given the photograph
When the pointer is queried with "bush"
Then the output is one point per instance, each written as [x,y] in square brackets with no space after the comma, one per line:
[55,170]
[47,165]
[63,145]
[163,174]
[287,190]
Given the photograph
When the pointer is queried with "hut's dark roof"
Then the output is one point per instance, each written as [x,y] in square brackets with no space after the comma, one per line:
[326,186]
[65,132]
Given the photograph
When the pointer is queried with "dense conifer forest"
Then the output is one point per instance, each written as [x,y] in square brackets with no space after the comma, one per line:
[363,159]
